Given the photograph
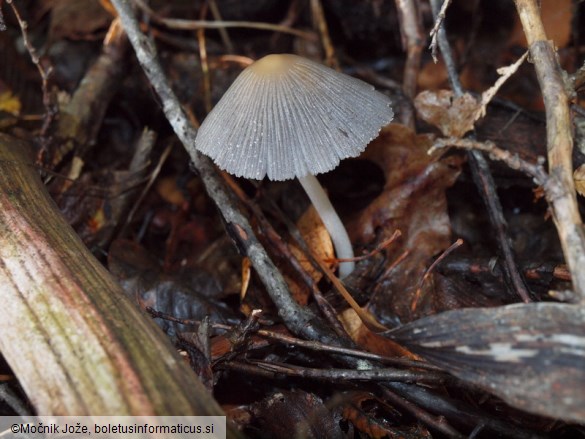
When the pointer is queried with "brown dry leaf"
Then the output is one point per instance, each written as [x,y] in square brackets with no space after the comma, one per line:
[414,202]
[556,17]
[369,340]
[10,103]
[432,76]
[76,19]
[168,190]
[452,116]
[246,275]
[579,177]
[295,413]
[456,116]
[318,240]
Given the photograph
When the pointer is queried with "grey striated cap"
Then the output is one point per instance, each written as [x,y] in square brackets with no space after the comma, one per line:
[286,116]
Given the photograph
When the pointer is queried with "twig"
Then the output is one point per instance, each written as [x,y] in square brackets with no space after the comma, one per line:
[462,414]
[482,175]
[321,347]
[299,320]
[147,139]
[482,266]
[379,248]
[365,316]
[336,375]
[394,264]
[321,24]
[437,422]
[577,79]
[180,24]
[440,17]
[81,118]
[222,31]
[205,67]
[412,41]
[536,171]
[559,142]
[429,270]
[294,10]
[51,108]
[505,73]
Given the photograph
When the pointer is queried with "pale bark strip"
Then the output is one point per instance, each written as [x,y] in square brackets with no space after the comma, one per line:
[559,142]
[74,340]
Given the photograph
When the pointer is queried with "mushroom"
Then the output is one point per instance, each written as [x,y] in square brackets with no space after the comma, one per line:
[285,117]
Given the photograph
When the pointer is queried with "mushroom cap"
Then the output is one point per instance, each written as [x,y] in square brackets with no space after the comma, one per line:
[286,116]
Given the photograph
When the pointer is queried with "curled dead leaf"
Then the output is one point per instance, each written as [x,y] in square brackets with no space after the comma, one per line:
[453,116]
[319,242]
[317,238]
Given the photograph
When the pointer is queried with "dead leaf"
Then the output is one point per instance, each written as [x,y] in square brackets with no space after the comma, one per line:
[169,191]
[433,76]
[557,16]
[414,202]
[191,295]
[530,355]
[369,340]
[453,116]
[10,103]
[76,20]
[579,177]
[296,414]
[318,240]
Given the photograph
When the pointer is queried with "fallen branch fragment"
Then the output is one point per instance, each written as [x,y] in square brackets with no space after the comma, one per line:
[300,320]
[181,24]
[273,370]
[482,176]
[535,171]
[74,340]
[559,142]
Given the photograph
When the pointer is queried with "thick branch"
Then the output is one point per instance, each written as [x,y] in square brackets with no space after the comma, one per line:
[559,142]
[74,340]
[299,320]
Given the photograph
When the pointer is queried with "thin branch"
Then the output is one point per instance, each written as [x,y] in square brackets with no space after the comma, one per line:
[51,108]
[535,171]
[321,25]
[181,24]
[306,344]
[336,375]
[440,18]
[439,423]
[213,8]
[481,174]
[411,31]
[559,142]
[299,320]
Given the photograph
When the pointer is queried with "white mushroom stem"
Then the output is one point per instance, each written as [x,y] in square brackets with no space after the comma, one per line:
[332,222]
